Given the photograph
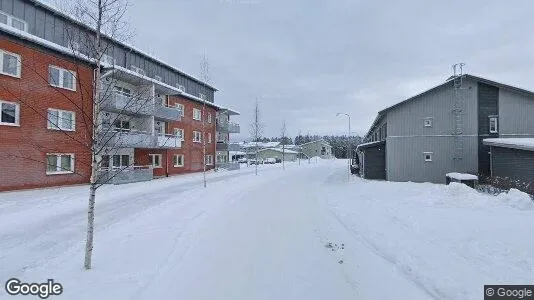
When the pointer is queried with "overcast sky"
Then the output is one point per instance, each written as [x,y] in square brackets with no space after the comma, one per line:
[305,60]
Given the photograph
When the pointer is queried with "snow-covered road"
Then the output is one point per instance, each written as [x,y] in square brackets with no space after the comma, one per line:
[299,233]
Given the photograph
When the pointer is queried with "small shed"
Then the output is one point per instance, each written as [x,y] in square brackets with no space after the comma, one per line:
[512,163]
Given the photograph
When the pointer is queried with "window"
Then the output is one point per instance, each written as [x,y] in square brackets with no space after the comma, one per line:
[61,119]
[197,137]
[209,118]
[493,124]
[197,114]
[13,22]
[179,133]
[428,122]
[59,163]
[209,160]
[209,137]
[178,160]
[159,127]
[104,162]
[117,162]
[10,113]
[180,107]
[62,78]
[156,160]
[137,70]
[122,91]
[428,156]
[121,125]
[10,64]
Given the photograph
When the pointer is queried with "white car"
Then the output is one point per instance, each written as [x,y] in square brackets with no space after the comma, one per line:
[242,160]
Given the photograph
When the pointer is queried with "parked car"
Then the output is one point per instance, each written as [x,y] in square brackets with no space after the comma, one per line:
[278,160]
[253,161]
[270,160]
[354,166]
[242,160]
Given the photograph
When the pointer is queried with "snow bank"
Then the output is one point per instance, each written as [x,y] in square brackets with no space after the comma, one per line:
[516,198]
[462,176]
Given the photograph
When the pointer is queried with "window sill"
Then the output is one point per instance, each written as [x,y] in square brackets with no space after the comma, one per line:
[9,124]
[64,88]
[59,173]
[10,75]
[160,167]
[180,166]
[62,129]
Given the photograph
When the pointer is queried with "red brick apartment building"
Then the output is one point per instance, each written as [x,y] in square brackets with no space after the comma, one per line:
[150,121]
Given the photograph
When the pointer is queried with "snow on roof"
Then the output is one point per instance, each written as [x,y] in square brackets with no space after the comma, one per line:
[279,150]
[369,144]
[515,143]
[237,152]
[260,144]
[462,176]
[48,44]
[59,12]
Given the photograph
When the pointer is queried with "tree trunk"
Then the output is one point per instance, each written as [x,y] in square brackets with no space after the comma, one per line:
[90,227]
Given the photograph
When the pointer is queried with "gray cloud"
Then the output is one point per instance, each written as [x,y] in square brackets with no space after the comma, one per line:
[305,60]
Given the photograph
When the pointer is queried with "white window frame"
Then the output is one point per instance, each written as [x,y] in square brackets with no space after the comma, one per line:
[428,122]
[17,114]
[182,135]
[430,154]
[209,118]
[60,84]
[19,64]
[496,119]
[10,19]
[175,159]
[180,107]
[197,114]
[209,137]
[60,126]
[152,161]
[197,136]
[208,159]
[58,164]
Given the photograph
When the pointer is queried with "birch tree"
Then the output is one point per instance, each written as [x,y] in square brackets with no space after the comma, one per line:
[205,76]
[256,131]
[283,133]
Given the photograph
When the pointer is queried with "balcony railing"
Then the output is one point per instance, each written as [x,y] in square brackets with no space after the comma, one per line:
[125,175]
[120,103]
[120,138]
[229,127]
[222,146]
[167,112]
[168,141]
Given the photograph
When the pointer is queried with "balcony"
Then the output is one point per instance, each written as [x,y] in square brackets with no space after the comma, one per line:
[168,141]
[118,138]
[167,113]
[222,146]
[120,103]
[229,127]
[125,175]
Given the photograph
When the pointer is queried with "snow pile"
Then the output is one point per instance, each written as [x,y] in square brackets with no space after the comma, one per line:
[462,176]
[517,199]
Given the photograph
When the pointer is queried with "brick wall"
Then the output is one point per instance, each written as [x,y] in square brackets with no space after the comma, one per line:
[23,148]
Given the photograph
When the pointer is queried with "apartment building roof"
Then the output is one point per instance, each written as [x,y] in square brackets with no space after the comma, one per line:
[132,48]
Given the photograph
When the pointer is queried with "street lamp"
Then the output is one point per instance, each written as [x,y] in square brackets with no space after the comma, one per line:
[349,153]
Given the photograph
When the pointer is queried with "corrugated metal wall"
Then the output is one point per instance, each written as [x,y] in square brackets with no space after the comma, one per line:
[516,114]
[518,165]
[55,28]
[408,138]
[374,160]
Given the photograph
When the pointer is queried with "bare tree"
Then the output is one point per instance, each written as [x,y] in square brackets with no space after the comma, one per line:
[205,75]
[283,132]
[256,130]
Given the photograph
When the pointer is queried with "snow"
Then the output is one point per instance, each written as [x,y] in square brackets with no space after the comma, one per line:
[246,145]
[517,143]
[462,176]
[280,150]
[317,237]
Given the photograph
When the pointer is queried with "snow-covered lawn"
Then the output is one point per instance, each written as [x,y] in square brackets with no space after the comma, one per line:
[299,233]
